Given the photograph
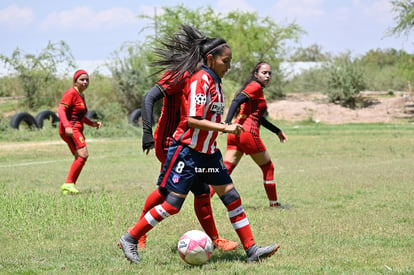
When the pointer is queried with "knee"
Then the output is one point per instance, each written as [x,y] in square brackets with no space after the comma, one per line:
[268,169]
[175,203]
[230,197]
[83,155]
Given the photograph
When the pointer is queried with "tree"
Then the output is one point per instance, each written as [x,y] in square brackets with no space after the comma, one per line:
[131,75]
[312,53]
[404,10]
[35,73]
[252,38]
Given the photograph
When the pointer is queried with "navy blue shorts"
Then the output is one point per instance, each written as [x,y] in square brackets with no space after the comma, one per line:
[185,167]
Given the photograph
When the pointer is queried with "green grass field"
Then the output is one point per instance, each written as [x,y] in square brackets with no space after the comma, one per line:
[350,188]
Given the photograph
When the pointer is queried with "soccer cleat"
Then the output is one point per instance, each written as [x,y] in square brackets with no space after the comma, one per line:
[129,248]
[142,242]
[274,204]
[69,188]
[223,244]
[257,253]
[280,206]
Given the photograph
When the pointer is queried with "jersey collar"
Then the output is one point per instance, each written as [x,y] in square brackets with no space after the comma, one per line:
[210,72]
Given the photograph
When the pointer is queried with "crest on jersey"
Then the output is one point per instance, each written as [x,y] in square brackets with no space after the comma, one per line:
[200,99]
[175,178]
[217,107]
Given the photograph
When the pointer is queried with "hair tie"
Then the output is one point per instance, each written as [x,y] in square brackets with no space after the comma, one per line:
[77,74]
[258,65]
[215,48]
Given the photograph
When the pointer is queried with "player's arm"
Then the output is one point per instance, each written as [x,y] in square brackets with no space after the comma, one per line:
[273,128]
[235,104]
[152,96]
[204,124]
[96,124]
[61,111]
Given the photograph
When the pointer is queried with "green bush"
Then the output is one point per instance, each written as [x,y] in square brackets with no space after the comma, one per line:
[346,79]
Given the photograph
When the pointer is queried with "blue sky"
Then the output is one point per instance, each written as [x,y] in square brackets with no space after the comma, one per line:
[94,29]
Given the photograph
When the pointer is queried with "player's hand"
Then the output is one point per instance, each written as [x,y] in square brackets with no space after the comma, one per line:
[69,131]
[98,124]
[234,129]
[282,137]
[147,142]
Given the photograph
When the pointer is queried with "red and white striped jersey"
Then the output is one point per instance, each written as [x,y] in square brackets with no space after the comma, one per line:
[202,97]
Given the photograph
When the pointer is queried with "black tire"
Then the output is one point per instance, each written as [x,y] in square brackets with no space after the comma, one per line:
[41,116]
[92,114]
[23,117]
[134,116]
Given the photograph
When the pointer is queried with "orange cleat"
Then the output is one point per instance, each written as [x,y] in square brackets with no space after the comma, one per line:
[224,244]
[142,242]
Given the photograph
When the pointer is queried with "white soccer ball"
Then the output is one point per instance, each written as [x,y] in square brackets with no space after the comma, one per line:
[195,247]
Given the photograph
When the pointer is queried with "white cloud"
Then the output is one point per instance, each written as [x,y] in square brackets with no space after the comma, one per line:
[87,19]
[15,17]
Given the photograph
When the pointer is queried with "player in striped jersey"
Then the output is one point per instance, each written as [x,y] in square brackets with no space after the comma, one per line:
[171,92]
[194,156]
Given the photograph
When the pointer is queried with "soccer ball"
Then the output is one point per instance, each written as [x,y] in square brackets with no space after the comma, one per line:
[195,247]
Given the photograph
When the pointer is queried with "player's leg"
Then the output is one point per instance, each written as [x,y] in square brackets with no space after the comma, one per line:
[156,197]
[204,212]
[232,201]
[233,153]
[78,148]
[263,160]
[177,177]
[128,242]
[232,158]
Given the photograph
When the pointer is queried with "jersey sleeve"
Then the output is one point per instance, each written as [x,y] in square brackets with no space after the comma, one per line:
[253,90]
[197,95]
[67,98]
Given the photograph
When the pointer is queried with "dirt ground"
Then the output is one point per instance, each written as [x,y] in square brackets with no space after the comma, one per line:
[386,108]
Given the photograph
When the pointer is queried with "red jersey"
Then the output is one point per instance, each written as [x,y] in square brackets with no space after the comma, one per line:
[252,111]
[76,109]
[204,98]
[170,114]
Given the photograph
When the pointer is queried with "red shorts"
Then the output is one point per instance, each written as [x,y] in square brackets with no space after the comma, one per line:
[75,142]
[247,143]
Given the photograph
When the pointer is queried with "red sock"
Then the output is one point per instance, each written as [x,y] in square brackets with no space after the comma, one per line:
[152,218]
[212,192]
[75,170]
[229,166]
[202,207]
[240,223]
[153,199]
[269,183]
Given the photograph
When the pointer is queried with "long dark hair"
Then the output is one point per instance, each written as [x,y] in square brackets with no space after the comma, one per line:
[186,51]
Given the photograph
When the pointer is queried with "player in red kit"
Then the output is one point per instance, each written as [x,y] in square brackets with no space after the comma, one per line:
[250,99]
[72,113]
